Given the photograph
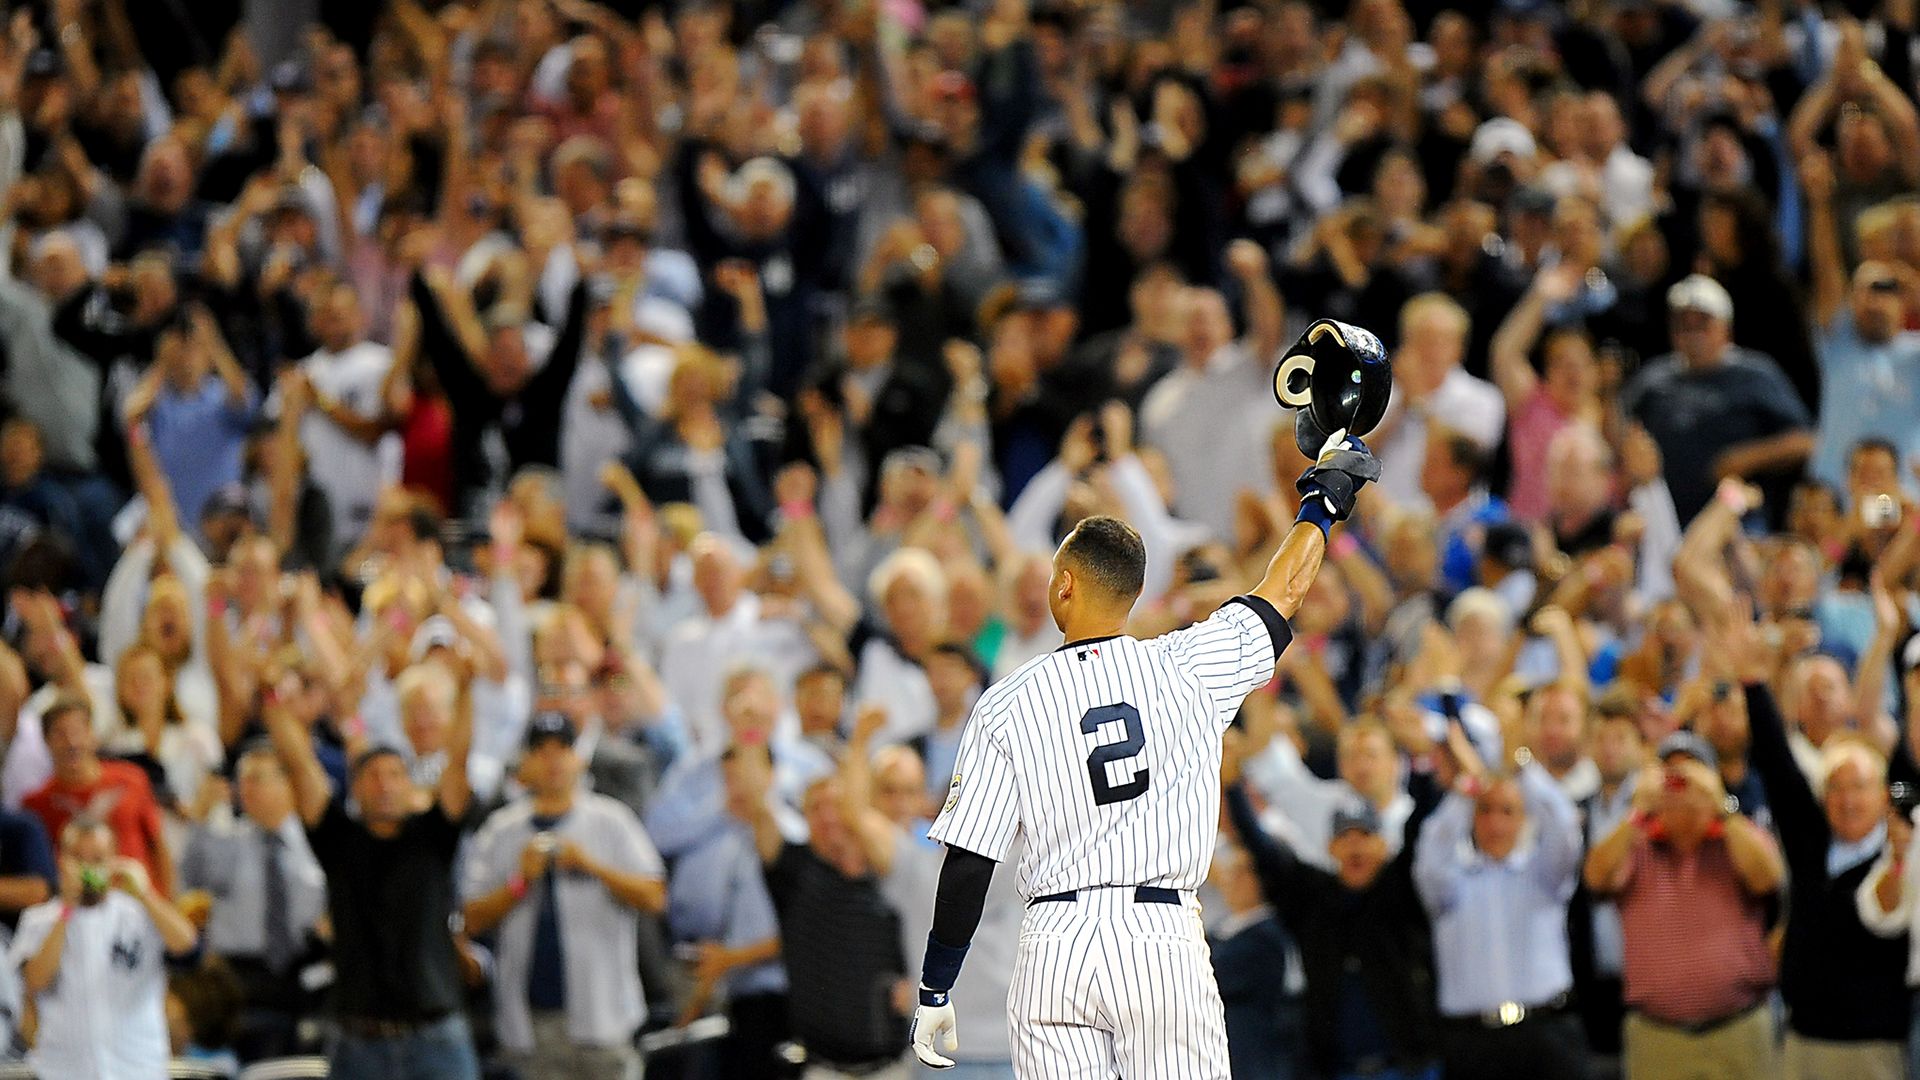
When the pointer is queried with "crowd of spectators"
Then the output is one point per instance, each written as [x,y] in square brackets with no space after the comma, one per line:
[506,507]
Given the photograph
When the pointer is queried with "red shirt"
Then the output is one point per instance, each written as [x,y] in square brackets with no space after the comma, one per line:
[426,434]
[1696,947]
[122,797]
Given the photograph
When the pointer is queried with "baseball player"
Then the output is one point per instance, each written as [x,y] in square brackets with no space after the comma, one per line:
[1105,756]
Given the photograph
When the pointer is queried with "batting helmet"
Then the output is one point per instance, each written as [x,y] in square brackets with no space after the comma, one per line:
[1336,376]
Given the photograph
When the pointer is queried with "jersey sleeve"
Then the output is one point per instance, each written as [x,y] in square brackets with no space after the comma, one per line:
[1232,651]
[982,812]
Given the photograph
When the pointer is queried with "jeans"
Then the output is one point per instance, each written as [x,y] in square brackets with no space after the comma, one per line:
[439,1051]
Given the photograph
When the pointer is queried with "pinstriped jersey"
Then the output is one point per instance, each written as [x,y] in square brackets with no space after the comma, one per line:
[1105,754]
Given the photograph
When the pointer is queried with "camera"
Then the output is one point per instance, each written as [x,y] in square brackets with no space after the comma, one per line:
[1904,796]
[1880,511]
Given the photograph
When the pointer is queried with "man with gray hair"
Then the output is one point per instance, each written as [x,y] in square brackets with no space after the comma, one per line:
[46,379]
[268,894]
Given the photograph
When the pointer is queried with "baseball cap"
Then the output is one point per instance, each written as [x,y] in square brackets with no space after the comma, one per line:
[229,499]
[1698,292]
[1500,135]
[625,228]
[550,725]
[912,457]
[1039,294]
[437,632]
[1354,815]
[289,77]
[1690,745]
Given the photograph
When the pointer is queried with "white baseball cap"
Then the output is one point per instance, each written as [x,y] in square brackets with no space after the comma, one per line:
[1698,292]
[1501,135]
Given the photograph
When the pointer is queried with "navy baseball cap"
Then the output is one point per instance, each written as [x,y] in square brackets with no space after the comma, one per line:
[1691,745]
[1355,815]
[550,726]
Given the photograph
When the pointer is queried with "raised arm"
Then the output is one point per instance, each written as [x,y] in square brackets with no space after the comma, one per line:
[1556,822]
[294,743]
[1826,264]
[163,519]
[456,790]
[1266,311]
[1520,330]
[877,835]
[1328,491]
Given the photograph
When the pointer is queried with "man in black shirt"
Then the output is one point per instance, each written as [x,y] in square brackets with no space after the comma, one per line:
[397,993]
[838,936]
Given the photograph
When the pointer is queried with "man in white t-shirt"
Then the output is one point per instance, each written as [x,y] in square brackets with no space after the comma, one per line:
[93,961]
[334,395]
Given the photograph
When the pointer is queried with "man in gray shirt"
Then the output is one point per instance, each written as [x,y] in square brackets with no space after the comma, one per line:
[558,878]
[268,891]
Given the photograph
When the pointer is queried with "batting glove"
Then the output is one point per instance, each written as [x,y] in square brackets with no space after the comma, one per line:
[933,1021]
[1334,480]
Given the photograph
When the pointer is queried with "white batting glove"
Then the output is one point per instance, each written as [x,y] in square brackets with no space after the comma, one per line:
[933,1021]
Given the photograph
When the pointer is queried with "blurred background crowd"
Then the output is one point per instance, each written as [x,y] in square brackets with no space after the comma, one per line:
[506,506]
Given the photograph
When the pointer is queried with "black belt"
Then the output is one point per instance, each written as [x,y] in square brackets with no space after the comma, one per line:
[1511,1014]
[1144,894]
[367,1027]
[862,1068]
[1703,1027]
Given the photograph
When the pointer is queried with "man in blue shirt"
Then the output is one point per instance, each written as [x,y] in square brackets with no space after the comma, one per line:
[1495,869]
[1869,361]
[199,407]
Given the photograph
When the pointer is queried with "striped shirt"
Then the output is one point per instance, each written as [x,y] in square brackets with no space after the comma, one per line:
[1105,754]
[1696,946]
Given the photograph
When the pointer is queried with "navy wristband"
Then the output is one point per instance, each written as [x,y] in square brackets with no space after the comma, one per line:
[941,968]
[934,999]
[1313,511]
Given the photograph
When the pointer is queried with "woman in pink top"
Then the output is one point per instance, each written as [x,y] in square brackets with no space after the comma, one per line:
[1539,405]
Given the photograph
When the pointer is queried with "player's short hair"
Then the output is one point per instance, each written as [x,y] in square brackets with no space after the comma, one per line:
[1109,553]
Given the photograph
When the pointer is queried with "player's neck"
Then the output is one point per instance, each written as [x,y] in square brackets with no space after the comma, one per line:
[1093,624]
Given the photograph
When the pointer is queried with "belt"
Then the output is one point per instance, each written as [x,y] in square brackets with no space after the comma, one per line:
[1143,894]
[367,1027]
[863,1068]
[1701,1027]
[1511,1013]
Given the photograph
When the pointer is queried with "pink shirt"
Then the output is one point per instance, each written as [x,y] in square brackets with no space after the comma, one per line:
[1696,947]
[1531,427]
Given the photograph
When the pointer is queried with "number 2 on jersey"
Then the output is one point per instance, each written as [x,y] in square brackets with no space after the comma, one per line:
[1126,749]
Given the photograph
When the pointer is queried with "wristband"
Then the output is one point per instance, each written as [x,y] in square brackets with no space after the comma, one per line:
[517,886]
[934,999]
[66,912]
[796,510]
[1342,546]
[1314,511]
[216,607]
[941,968]
[355,727]
[944,510]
